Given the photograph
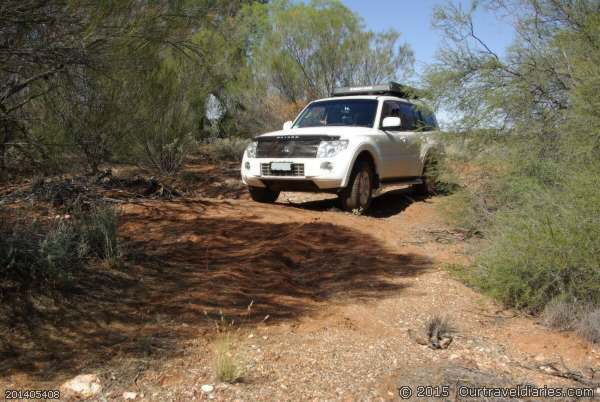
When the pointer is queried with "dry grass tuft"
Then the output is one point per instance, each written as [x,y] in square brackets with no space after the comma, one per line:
[438,326]
[227,364]
[588,327]
[560,315]
[437,333]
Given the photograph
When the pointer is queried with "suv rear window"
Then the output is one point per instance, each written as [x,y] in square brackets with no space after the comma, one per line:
[343,112]
[430,120]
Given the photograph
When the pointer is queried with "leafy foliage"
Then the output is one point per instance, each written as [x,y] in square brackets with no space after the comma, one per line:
[528,149]
[309,49]
[33,255]
[87,83]
[227,149]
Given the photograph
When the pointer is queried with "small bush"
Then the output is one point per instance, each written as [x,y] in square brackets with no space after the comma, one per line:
[227,149]
[61,249]
[589,326]
[561,315]
[227,367]
[99,234]
[19,253]
[166,155]
[436,173]
[32,255]
[64,193]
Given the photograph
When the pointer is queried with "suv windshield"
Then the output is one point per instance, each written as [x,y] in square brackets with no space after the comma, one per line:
[347,112]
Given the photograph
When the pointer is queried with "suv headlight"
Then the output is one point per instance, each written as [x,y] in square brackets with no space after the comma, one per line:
[251,149]
[329,149]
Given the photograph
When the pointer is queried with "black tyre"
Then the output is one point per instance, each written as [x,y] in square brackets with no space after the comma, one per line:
[428,178]
[264,195]
[357,195]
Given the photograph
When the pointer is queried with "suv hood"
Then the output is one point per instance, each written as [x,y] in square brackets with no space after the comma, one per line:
[337,131]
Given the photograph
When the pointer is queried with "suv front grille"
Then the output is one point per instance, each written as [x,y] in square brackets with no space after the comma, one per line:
[296,148]
[297,170]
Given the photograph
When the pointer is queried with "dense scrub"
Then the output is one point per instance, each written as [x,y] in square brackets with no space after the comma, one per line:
[527,151]
[86,83]
[227,149]
[39,255]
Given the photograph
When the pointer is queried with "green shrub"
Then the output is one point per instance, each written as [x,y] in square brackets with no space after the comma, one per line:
[528,152]
[19,253]
[227,149]
[60,251]
[540,218]
[99,234]
[32,255]
[165,154]
[548,247]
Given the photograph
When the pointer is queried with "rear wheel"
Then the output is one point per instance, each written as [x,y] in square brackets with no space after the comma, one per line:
[428,185]
[264,195]
[358,194]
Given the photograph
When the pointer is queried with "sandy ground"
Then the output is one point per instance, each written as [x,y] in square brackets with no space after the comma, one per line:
[332,297]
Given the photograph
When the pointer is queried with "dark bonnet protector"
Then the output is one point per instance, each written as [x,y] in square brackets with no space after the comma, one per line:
[298,138]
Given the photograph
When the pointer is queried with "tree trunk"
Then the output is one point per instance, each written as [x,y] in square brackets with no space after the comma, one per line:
[3,150]
[3,172]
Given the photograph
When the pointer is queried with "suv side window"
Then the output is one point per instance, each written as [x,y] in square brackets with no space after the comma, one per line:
[390,109]
[408,114]
[412,117]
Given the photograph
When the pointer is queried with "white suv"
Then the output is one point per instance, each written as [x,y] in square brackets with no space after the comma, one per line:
[355,144]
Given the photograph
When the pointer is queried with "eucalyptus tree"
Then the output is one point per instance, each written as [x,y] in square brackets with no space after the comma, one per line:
[310,48]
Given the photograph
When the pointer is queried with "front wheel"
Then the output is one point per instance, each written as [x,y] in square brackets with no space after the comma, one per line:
[264,195]
[356,197]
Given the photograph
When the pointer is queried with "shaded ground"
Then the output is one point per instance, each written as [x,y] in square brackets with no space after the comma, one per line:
[332,296]
[191,267]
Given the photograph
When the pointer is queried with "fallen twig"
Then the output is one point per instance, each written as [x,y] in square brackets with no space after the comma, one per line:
[550,368]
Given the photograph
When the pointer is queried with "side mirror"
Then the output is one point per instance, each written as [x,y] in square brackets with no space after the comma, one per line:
[391,122]
[287,125]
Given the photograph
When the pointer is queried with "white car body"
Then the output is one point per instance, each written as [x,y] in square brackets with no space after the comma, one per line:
[396,155]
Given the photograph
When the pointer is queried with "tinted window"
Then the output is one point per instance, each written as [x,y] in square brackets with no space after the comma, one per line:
[431,121]
[408,114]
[427,120]
[390,109]
[348,112]
[413,117]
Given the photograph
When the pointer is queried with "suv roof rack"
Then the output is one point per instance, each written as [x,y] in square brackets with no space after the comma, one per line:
[393,88]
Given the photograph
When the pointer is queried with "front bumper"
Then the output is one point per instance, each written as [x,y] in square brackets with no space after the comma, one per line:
[323,173]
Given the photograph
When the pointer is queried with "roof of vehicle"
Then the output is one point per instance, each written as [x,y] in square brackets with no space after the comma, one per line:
[373,97]
[392,88]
